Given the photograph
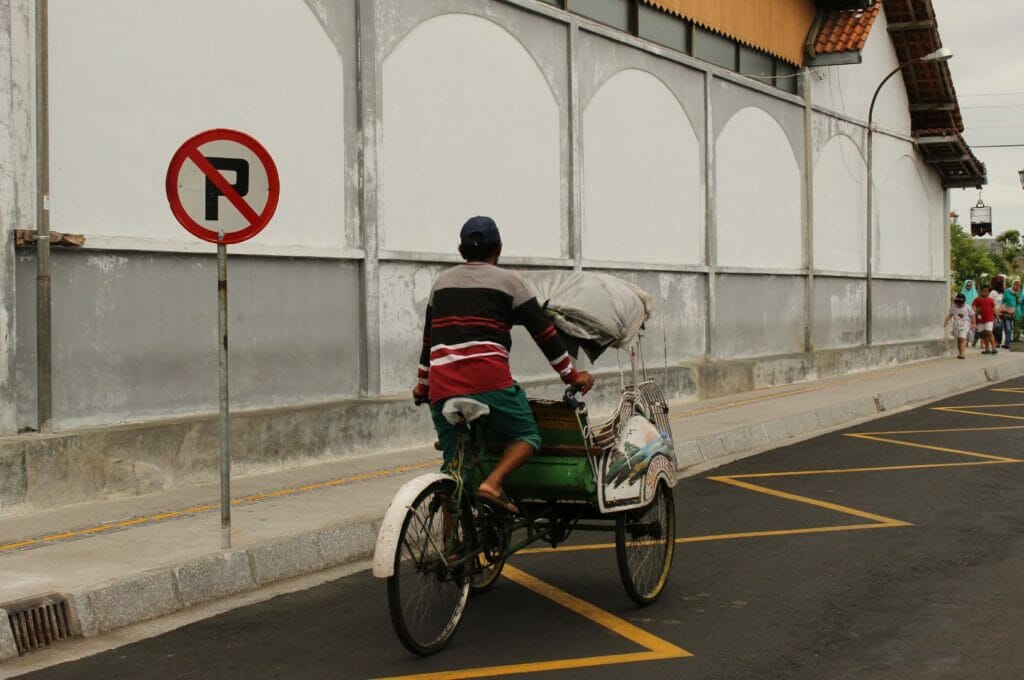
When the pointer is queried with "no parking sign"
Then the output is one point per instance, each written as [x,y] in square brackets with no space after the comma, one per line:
[223,187]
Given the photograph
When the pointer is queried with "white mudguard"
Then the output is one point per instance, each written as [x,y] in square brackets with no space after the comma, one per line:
[391,526]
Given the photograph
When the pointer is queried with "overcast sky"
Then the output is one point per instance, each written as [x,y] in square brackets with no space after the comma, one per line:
[988,72]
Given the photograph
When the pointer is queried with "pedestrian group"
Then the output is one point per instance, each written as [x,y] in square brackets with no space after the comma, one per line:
[987,315]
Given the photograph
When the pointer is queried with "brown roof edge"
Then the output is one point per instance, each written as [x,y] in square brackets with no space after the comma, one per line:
[934,109]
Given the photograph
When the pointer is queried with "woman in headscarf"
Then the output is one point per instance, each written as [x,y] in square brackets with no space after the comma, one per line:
[1012,302]
[969,292]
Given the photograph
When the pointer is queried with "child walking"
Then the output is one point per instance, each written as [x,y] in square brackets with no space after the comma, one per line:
[963,320]
[986,310]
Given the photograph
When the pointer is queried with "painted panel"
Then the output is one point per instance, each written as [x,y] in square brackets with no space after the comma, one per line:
[903,311]
[840,221]
[838,313]
[135,337]
[758,316]
[904,234]
[759,194]
[129,83]
[470,126]
[642,198]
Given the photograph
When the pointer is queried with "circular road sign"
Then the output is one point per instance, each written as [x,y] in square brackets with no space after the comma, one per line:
[222,182]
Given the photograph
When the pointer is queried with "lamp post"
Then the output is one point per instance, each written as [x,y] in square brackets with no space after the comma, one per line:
[1020,173]
[941,54]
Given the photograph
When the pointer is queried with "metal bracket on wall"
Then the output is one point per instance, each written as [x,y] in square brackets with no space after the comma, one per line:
[26,237]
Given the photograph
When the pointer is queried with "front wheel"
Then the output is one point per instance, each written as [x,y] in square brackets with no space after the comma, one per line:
[645,541]
[428,591]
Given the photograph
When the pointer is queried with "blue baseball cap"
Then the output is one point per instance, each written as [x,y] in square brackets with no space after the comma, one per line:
[479,231]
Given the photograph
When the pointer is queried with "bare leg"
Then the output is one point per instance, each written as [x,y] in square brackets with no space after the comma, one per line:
[516,453]
[961,345]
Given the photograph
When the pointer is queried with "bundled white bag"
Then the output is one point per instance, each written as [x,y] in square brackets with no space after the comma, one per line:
[599,310]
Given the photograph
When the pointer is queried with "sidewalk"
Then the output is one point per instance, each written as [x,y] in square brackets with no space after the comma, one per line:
[124,561]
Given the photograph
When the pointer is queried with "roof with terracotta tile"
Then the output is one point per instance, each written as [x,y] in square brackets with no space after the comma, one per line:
[845,30]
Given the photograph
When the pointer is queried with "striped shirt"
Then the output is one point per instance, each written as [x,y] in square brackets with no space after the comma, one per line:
[467,335]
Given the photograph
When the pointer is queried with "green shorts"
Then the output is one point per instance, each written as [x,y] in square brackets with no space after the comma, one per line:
[510,420]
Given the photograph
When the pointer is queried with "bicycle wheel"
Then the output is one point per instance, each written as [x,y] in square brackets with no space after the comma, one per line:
[428,592]
[645,541]
[486,575]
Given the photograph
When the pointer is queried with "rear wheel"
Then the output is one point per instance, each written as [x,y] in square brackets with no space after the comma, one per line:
[645,540]
[428,591]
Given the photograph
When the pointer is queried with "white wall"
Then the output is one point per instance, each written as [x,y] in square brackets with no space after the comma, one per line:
[840,222]
[130,81]
[905,234]
[470,126]
[642,198]
[759,194]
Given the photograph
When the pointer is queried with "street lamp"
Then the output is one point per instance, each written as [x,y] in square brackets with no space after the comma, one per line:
[941,54]
[1020,173]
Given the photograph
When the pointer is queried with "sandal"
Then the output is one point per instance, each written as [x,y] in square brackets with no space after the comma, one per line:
[500,502]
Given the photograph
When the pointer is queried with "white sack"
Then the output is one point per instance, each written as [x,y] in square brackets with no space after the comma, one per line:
[598,307]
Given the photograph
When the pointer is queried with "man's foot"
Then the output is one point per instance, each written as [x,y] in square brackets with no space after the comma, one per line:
[960,356]
[497,499]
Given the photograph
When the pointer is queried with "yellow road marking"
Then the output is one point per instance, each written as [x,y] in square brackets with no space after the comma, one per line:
[942,430]
[657,648]
[846,510]
[57,537]
[19,544]
[968,411]
[96,530]
[915,445]
[718,537]
[130,522]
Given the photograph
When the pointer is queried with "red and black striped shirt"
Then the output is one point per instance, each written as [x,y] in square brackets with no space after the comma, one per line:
[467,335]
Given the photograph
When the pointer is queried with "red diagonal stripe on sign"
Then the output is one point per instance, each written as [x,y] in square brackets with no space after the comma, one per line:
[218,180]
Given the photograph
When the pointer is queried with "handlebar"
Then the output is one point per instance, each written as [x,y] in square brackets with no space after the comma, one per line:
[569,398]
[420,401]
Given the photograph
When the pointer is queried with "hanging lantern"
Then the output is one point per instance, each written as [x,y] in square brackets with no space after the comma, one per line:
[981,219]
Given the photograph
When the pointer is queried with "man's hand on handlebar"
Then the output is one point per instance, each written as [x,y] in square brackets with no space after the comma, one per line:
[584,381]
[419,394]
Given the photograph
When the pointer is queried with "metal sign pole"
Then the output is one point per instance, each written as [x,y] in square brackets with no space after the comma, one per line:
[225,458]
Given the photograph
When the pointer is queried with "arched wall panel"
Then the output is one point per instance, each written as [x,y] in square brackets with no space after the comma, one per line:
[840,219]
[758,194]
[642,198]
[470,126]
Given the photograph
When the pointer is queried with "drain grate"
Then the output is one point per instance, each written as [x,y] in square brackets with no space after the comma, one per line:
[39,622]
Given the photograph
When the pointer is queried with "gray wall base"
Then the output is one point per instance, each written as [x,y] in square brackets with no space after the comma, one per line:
[45,471]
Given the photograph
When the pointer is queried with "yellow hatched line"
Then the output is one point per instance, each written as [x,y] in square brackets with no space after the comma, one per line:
[656,648]
[944,449]
[846,510]
[968,411]
[941,430]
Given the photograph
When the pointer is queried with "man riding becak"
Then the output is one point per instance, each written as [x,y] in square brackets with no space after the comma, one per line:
[466,343]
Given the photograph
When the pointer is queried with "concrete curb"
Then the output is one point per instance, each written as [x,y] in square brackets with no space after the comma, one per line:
[8,647]
[163,590]
[156,592]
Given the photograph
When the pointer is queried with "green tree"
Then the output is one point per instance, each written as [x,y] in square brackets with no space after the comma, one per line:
[1011,251]
[969,260]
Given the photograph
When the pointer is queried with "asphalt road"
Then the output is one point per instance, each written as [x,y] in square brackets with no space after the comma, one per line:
[910,564]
